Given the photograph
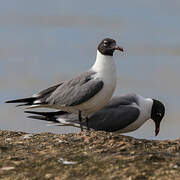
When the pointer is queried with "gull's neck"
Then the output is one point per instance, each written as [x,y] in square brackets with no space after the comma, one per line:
[146,106]
[103,63]
[149,104]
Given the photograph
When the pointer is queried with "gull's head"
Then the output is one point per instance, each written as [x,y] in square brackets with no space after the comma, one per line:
[108,46]
[157,114]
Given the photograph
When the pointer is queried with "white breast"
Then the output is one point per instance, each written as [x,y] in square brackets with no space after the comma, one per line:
[105,71]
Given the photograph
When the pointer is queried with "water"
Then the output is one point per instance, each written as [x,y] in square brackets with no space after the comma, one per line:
[44,42]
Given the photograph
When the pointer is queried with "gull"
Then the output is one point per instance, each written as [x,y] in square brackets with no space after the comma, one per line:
[84,94]
[124,114]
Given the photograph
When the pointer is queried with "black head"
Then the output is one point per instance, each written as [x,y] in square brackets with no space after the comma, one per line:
[157,114]
[108,46]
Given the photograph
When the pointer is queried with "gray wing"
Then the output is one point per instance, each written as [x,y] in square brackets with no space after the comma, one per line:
[67,93]
[46,92]
[113,119]
[76,90]
[126,99]
[117,114]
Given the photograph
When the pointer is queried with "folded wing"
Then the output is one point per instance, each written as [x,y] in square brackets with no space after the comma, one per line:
[69,93]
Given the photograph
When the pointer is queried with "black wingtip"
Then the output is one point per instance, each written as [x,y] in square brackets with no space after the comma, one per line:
[12,101]
[49,114]
[44,114]
[38,118]
[27,101]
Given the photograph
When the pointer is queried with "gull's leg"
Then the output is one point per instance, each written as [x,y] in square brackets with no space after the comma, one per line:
[87,123]
[80,120]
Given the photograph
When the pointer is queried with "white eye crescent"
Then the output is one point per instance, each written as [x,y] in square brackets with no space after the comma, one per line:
[105,43]
[159,114]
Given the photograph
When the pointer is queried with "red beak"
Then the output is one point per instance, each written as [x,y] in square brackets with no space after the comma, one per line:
[118,48]
[156,131]
[157,128]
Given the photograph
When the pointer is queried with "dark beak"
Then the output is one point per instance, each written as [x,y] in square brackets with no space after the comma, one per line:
[116,47]
[157,128]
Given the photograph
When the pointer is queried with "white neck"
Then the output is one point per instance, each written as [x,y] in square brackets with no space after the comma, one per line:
[148,102]
[145,106]
[103,63]
[105,71]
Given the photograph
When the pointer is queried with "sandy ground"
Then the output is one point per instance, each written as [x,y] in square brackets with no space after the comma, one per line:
[88,155]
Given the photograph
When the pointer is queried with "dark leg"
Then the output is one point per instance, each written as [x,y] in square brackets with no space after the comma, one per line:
[87,123]
[80,120]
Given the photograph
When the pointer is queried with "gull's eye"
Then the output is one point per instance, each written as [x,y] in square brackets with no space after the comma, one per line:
[106,43]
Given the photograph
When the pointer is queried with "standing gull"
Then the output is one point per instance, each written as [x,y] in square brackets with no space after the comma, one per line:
[86,93]
[125,113]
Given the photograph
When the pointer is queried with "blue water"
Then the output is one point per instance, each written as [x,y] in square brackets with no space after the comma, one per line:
[44,42]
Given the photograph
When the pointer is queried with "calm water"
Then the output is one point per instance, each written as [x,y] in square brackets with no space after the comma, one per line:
[43,42]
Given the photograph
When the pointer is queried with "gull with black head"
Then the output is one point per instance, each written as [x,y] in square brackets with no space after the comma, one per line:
[124,114]
[84,94]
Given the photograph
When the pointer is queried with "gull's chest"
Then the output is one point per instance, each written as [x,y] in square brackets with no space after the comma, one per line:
[102,97]
[107,73]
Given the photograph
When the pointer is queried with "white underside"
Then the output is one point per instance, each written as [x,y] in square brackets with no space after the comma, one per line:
[105,70]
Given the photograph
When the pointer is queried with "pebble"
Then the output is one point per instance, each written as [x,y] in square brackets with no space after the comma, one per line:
[47,176]
[7,168]
[27,136]
[66,162]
